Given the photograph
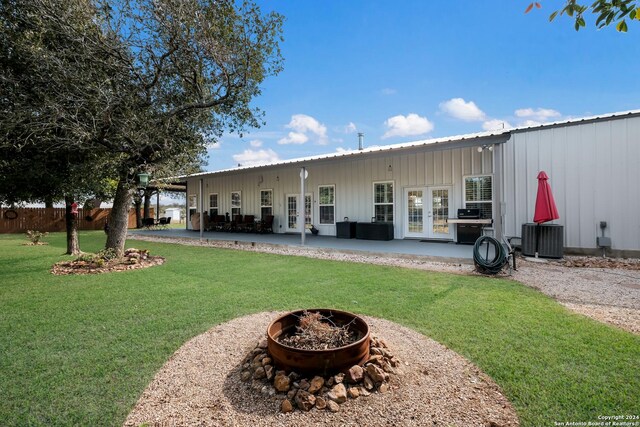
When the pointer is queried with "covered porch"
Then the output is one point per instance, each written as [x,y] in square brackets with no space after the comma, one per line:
[446,252]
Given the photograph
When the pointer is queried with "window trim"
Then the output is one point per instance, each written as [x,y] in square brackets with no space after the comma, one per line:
[217,206]
[260,201]
[331,204]
[393,203]
[231,203]
[464,191]
[195,198]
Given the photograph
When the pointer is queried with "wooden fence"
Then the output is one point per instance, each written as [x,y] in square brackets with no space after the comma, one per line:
[53,219]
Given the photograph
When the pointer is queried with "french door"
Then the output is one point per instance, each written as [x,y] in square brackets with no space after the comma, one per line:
[426,212]
[292,225]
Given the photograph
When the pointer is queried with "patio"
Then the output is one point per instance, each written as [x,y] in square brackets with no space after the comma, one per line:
[410,248]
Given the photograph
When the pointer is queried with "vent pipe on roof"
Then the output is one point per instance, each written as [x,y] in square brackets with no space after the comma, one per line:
[360,140]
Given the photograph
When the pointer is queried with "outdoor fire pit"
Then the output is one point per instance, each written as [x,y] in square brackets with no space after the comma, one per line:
[318,361]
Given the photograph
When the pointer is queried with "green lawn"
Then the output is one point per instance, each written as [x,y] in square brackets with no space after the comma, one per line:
[80,350]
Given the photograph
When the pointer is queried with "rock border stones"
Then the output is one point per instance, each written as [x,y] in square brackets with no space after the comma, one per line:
[323,393]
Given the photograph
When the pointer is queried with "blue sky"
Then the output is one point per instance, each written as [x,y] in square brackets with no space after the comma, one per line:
[411,70]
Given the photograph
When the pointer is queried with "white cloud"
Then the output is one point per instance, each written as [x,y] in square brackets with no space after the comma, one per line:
[530,123]
[350,128]
[294,138]
[344,150]
[388,91]
[463,110]
[255,143]
[496,124]
[302,127]
[538,115]
[256,157]
[409,125]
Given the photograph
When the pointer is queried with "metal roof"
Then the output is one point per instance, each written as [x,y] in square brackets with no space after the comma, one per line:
[479,136]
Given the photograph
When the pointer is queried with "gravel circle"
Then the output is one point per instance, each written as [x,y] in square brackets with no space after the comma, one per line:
[200,385]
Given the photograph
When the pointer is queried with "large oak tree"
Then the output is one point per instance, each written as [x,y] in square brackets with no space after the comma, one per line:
[143,85]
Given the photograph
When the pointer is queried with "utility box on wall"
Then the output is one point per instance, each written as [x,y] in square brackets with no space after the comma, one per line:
[549,239]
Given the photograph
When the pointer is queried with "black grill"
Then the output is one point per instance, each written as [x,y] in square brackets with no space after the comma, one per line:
[467,234]
[468,213]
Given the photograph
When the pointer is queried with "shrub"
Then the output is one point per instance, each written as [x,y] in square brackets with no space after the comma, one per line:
[35,237]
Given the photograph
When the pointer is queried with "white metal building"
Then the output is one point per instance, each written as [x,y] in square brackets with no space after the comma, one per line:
[593,165]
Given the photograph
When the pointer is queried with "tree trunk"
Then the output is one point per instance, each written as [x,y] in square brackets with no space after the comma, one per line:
[147,204]
[93,203]
[48,202]
[137,203]
[119,218]
[73,246]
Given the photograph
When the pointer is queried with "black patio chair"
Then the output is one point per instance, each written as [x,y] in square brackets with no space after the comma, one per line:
[248,224]
[266,225]
[149,223]
[163,222]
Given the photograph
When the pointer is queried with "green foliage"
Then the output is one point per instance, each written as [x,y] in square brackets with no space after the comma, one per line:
[606,12]
[108,254]
[79,350]
[35,237]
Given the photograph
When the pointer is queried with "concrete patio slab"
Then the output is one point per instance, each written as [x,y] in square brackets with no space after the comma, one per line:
[396,247]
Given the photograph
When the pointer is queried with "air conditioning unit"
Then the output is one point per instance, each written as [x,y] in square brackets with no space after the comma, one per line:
[548,237]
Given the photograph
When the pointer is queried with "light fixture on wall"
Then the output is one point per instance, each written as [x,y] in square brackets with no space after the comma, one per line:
[390,169]
[485,147]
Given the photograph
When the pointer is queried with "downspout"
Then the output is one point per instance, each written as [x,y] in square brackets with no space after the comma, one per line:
[301,207]
[201,210]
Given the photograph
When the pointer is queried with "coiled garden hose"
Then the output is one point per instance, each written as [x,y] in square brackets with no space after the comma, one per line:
[485,265]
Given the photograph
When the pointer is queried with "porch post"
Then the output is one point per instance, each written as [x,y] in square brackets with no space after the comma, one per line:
[301,206]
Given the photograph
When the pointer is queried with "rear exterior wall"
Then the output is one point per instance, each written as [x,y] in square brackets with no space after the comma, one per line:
[594,173]
[353,178]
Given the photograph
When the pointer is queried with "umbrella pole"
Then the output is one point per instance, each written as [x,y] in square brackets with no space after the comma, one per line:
[537,239]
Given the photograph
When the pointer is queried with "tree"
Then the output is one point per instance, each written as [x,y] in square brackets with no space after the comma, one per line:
[49,108]
[607,12]
[131,86]
[196,66]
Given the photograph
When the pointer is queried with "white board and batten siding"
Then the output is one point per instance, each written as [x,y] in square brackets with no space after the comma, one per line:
[594,173]
[353,178]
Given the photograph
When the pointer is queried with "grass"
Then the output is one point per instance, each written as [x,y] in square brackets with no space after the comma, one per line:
[79,350]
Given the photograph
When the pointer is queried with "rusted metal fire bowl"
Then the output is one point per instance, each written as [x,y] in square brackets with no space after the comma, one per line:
[322,362]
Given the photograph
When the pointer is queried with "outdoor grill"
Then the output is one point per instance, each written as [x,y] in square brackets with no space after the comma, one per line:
[469,226]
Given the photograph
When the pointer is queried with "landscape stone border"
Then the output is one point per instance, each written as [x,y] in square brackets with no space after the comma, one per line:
[201,384]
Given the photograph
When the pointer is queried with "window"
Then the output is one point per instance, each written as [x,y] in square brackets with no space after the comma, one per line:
[478,194]
[213,205]
[193,204]
[236,203]
[266,203]
[327,203]
[383,201]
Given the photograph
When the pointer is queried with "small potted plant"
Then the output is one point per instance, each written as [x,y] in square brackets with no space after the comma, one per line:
[313,229]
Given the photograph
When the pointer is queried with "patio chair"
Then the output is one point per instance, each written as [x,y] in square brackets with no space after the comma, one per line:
[266,225]
[217,223]
[163,222]
[149,223]
[248,224]
[233,224]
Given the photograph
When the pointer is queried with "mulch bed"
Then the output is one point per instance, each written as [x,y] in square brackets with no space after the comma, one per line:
[594,262]
[133,259]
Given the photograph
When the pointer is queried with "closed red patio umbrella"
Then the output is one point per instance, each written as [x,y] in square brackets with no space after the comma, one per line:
[546,209]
